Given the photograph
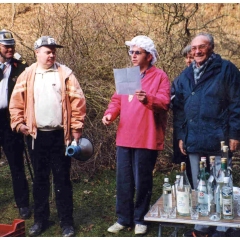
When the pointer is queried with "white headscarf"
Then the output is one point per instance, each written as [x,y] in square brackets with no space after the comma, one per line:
[145,43]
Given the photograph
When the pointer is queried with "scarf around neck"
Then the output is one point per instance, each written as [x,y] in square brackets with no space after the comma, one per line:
[198,71]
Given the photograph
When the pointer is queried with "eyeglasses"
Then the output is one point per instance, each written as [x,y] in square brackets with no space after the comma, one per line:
[199,47]
[136,52]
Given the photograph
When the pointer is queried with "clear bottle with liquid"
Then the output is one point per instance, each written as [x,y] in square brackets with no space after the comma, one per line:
[202,192]
[184,192]
[220,176]
[175,185]
[223,171]
[204,160]
[212,185]
[167,194]
[217,199]
[225,154]
[227,200]
[222,143]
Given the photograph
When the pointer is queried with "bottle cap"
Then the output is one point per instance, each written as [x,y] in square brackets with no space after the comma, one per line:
[223,160]
[226,179]
[225,148]
[183,166]
[166,179]
[212,159]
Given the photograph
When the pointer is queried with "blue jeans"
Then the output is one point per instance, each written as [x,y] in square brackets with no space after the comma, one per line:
[134,176]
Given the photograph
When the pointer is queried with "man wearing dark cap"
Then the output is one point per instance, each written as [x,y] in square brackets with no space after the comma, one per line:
[12,143]
[48,106]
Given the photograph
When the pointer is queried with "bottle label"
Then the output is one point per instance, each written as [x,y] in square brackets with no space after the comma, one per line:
[227,207]
[183,202]
[202,197]
[226,192]
[167,200]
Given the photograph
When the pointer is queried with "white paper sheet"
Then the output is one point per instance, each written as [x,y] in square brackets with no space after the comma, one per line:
[127,80]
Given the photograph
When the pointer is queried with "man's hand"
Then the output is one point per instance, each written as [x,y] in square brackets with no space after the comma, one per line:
[233,145]
[106,120]
[24,130]
[180,144]
[141,96]
[76,136]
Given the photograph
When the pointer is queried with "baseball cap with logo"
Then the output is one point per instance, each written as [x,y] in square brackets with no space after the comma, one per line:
[6,37]
[46,41]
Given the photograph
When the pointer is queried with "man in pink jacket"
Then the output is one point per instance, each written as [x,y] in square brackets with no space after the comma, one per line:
[140,134]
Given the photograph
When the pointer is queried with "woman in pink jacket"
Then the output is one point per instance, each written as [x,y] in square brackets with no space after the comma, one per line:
[140,134]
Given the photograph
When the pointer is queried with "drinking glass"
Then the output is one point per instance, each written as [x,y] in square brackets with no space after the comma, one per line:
[172,212]
[194,212]
[154,211]
[163,212]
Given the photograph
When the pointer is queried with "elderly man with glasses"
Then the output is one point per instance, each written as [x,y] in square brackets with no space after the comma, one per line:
[208,93]
[12,143]
[140,135]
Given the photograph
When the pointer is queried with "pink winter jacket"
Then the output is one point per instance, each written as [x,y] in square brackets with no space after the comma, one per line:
[21,105]
[143,125]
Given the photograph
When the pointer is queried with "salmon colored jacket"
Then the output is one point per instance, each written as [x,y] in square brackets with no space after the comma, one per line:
[143,125]
[21,105]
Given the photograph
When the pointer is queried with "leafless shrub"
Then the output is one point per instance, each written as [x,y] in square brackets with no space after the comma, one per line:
[94,36]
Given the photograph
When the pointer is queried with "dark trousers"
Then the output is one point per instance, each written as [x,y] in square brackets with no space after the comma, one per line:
[134,176]
[13,145]
[49,155]
[178,157]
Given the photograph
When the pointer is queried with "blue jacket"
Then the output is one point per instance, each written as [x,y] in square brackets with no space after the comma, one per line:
[208,112]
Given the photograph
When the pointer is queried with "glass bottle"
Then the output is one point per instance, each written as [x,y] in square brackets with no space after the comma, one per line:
[212,176]
[227,200]
[223,171]
[217,200]
[176,184]
[167,194]
[184,192]
[202,159]
[220,176]
[225,151]
[174,190]
[225,154]
[202,192]
[222,143]
[212,185]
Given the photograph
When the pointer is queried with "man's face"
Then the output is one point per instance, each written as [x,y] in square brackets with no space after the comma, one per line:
[142,59]
[46,56]
[7,51]
[201,49]
[188,59]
